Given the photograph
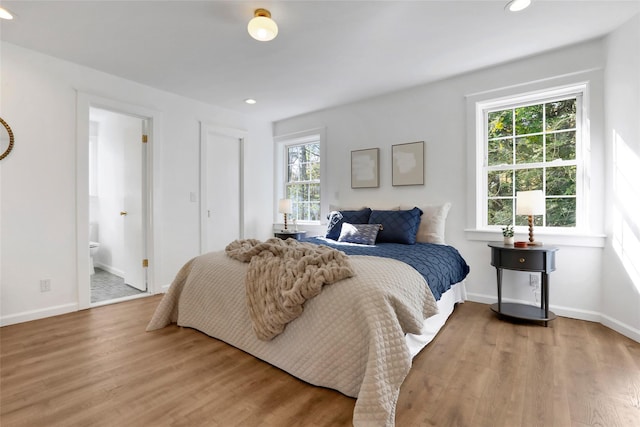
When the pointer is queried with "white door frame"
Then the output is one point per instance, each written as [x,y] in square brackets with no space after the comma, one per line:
[205,129]
[84,102]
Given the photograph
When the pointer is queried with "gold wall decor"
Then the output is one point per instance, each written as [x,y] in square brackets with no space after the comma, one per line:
[6,139]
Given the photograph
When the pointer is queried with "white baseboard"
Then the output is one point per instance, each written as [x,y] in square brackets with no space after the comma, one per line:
[108,269]
[621,328]
[572,313]
[26,316]
[164,289]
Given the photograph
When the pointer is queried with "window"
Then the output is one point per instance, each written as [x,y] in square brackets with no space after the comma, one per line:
[533,142]
[302,184]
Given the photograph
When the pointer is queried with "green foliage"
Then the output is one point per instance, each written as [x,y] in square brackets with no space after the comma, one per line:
[532,136]
[529,119]
[561,146]
[500,124]
[500,151]
[303,176]
[528,179]
[529,149]
[561,115]
[561,181]
[561,212]
[500,183]
[500,211]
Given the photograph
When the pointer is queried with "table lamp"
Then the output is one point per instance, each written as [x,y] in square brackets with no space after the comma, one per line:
[530,203]
[285,207]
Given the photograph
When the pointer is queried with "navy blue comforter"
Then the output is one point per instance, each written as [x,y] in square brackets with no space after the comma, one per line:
[440,265]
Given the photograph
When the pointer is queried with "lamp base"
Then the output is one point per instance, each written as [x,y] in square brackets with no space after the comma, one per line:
[535,243]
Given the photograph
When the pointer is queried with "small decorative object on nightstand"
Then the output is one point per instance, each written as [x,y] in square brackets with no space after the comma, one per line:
[289,234]
[540,259]
[507,233]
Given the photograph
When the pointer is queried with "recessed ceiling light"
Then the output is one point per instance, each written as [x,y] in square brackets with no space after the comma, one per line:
[250,101]
[5,14]
[517,5]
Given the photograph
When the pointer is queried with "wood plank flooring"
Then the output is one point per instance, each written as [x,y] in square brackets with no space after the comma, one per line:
[99,367]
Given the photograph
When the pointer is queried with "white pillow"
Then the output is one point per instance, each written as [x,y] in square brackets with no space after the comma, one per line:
[432,222]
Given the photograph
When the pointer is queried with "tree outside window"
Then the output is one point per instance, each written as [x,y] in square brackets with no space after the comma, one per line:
[533,147]
[303,181]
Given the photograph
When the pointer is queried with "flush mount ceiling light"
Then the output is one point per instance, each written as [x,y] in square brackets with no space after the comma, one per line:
[250,101]
[262,27]
[5,14]
[517,5]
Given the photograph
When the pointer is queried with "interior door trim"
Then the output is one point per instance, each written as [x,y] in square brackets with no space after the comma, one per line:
[85,101]
[205,129]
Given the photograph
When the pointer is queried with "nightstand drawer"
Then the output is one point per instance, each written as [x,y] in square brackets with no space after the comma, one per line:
[284,235]
[523,260]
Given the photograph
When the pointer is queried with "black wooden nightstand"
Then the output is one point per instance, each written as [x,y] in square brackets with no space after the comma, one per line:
[284,235]
[540,259]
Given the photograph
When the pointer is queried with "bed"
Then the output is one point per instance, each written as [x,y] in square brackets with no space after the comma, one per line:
[357,336]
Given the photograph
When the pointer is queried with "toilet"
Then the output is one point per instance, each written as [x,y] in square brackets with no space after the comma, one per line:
[94,246]
[93,249]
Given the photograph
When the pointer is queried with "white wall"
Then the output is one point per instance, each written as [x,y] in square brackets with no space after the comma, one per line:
[436,113]
[37,188]
[620,296]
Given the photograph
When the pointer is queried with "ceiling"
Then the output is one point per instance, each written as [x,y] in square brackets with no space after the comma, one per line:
[327,53]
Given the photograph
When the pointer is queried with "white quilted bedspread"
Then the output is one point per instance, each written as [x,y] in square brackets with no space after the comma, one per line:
[349,338]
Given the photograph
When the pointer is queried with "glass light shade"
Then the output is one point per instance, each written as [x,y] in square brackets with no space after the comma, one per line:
[530,202]
[518,5]
[284,206]
[263,28]
[5,14]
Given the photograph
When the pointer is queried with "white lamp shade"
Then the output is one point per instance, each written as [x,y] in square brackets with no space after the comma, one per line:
[263,28]
[284,206]
[530,202]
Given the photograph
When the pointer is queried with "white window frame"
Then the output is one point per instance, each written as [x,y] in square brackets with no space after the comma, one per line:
[282,142]
[590,230]
[483,109]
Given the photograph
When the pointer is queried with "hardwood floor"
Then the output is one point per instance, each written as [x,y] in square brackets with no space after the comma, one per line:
[99,367]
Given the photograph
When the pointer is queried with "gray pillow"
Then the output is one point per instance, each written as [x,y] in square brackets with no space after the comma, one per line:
[364,234]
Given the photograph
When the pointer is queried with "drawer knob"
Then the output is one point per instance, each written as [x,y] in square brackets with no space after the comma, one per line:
[521,260]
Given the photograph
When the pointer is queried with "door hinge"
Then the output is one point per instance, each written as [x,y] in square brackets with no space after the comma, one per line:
[145,263]
[145,138]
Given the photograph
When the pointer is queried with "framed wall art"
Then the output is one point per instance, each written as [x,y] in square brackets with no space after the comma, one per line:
[365,168]
[408,164]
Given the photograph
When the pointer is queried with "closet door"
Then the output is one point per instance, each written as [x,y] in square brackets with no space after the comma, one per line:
[221,187]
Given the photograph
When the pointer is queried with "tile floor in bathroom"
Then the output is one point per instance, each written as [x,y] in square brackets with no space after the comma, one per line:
[106,286]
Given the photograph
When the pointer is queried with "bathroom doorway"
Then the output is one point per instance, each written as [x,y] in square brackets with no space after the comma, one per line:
[117,205]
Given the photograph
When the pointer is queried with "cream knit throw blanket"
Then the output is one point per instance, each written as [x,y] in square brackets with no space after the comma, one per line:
[282,275]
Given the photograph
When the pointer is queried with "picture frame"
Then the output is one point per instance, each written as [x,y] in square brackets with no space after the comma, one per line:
[365,167]
[407,164]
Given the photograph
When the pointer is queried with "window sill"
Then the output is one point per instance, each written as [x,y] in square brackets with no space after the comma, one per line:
[552,238]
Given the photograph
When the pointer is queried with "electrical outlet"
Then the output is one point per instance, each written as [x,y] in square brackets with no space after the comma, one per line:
[45,285]
[534,281]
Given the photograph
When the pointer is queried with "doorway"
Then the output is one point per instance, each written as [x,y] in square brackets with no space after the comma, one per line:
[117,208]
[149,121]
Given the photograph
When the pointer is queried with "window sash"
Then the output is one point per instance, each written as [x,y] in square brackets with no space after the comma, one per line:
[486,108]
[303,207]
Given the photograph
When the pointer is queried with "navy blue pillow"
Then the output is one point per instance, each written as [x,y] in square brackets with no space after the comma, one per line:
[397,226]
[336,218]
